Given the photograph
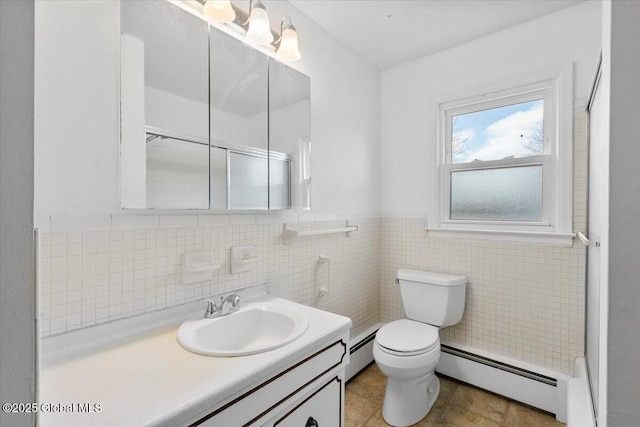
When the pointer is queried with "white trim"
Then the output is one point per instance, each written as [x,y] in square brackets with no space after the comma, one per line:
[556,87]
[153,219]
[579,404]
[534,237]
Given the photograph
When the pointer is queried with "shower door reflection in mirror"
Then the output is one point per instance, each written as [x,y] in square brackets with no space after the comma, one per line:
[164,107]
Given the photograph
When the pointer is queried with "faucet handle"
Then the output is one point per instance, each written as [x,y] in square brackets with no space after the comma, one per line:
[211,309]
[235,300]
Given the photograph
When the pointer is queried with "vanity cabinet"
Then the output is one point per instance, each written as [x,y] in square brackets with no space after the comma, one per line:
[159,383]
[323,408]
[310,388]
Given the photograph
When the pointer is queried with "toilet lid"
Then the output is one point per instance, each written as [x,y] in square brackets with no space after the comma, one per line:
[408,336]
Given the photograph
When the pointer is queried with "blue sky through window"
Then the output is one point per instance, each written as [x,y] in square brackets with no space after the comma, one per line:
[513,130]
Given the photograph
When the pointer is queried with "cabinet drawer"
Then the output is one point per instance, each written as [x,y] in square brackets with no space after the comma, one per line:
[321,409]
[254,404]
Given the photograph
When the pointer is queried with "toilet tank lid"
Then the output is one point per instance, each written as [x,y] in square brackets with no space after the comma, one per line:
[431,278]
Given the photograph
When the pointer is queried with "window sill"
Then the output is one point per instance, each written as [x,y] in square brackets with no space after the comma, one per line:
[533,237]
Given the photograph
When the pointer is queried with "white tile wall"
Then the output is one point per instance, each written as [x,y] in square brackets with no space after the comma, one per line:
[91,277]
[523,301]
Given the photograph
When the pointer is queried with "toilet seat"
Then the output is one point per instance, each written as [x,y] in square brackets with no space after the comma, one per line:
[407,338]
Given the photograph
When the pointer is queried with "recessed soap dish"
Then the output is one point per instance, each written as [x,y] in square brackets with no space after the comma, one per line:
[243,258]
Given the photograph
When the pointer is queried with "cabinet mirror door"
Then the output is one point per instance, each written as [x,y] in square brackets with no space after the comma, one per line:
[164,107]
[289,138]
[239,125]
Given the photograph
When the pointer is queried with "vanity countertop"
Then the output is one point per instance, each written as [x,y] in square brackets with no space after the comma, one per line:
[150,380]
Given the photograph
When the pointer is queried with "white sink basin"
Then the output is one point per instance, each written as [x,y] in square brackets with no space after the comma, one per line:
[255,328]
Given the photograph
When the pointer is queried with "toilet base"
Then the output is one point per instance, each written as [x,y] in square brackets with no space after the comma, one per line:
[407,402]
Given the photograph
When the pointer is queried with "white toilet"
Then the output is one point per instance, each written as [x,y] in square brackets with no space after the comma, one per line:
[407,350]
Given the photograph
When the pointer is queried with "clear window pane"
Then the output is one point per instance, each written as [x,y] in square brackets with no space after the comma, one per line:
[509,131]
[505,194]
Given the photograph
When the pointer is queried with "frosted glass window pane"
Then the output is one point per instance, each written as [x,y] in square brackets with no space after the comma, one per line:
[512,130]
[505,194]
[278,184]
[218,158]
[249,183]
[177,174]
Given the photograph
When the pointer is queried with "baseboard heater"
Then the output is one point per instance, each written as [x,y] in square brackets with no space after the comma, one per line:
[361,351]
[526,386]
[500,365]
[364,342]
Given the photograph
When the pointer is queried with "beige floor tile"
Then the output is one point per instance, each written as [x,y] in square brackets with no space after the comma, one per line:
[481,402]
[358,409]
[377,420]
[523,416]
[369,385]
[435,411]
[375,370]
[454,416]
[458,405]
[447,386]
[432,417]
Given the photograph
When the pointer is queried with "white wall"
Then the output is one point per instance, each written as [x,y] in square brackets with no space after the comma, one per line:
[17,281]
[77,69]
[77,126]
[408,91]
[178,114]
[345,114]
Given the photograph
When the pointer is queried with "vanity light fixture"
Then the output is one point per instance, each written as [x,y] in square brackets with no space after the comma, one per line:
[259,31]
[255,26]
[288,47]
[219,11]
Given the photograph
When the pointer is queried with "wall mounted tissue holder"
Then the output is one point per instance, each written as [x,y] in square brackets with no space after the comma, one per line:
[198,267]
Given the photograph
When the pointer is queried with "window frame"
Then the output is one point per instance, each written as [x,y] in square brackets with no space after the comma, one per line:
[555,87]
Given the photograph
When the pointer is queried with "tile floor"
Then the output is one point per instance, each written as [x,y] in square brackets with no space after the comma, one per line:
[459,405]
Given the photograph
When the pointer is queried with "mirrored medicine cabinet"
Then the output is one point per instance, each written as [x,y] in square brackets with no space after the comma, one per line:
[207,122]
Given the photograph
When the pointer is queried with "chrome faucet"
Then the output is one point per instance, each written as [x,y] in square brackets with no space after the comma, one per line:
[232,301]
[227,305]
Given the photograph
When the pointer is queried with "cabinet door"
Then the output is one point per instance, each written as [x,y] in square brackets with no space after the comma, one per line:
[164,98]
[323,408]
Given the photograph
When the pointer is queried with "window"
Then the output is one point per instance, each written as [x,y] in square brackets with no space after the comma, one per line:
[505,161]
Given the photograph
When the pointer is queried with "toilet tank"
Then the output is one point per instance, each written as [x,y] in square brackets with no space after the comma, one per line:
[433,298]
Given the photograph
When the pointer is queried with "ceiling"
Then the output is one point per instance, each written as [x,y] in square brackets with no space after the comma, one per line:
[389,33]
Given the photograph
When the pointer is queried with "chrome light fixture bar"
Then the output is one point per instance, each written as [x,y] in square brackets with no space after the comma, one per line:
[255,25]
